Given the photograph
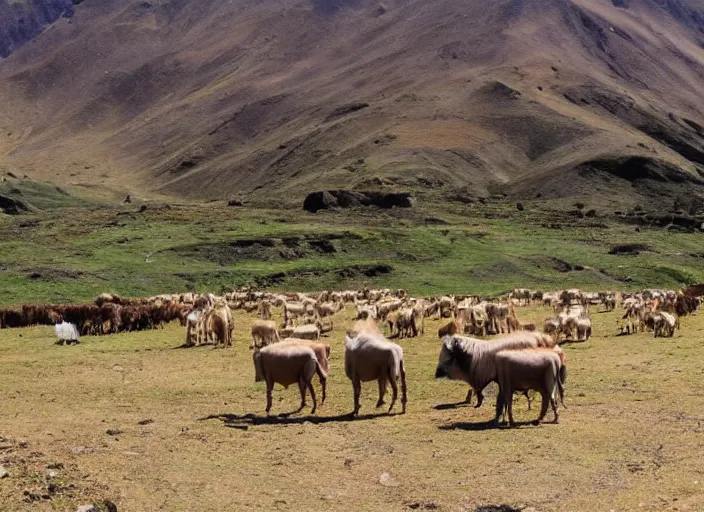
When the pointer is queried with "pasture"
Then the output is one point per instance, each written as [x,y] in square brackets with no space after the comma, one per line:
[70,255]
[188,431]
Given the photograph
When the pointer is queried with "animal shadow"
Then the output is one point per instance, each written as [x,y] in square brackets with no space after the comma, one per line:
[243,421]
[481,425]
[456,405]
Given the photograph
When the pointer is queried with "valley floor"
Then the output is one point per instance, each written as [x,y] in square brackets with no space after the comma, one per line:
[630,438]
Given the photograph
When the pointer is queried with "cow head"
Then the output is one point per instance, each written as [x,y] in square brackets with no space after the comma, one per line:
[454,362]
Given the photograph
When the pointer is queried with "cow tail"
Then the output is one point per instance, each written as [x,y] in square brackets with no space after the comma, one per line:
[402,371]
[561,376]
[323,379]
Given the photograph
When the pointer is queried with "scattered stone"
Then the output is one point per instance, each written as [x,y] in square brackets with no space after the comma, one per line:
[348,463]
[81,449]
[3,473]
[51,473]
[128,199]
[117,368]
[145,422]
[417,505]
[55,465]
[31,497]
[23,444]
[109,506]
[87,508]
[386,480]
[113,432]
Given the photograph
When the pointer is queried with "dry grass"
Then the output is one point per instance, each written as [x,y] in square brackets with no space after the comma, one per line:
[630,438]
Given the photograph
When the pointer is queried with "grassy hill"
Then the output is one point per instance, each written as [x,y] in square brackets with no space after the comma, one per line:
[74,253]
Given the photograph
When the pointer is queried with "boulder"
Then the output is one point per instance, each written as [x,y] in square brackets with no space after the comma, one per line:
[12,206]
[327,199]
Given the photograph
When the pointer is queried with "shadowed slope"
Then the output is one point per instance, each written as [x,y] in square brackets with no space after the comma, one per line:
[207,99]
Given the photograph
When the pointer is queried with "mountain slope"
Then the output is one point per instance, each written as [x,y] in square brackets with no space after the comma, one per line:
[209,99]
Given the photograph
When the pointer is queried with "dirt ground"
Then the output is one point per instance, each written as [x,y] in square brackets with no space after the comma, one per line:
[193,435]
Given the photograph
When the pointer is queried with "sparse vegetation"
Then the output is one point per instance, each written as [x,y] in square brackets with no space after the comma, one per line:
[193,436]
[73,254]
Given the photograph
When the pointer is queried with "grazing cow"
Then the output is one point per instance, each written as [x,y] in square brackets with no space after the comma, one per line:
[307,332]
[369,356]
[322,353]
[286,365]
[454,327]
[472,360]
[264,332]
[521,370]
[584,329]
[219,326]
[406,323]
[67,333]
[192,323]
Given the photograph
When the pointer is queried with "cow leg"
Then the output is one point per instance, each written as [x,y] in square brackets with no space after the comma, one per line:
[480,398]
[357,389]
[500,406]
[553,404]
[312,396]
[302,388]
[382,390]
[508,399]
[468,398]
[269,388]
[528,398]
[545,396]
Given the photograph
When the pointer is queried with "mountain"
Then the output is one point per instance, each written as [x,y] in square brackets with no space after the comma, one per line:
[273,99]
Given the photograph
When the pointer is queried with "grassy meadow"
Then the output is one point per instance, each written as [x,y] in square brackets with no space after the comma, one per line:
[188,430]
[74,252]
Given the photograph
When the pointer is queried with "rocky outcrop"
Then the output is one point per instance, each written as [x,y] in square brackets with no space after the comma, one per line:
[12,206]
[22,21]
[347,199]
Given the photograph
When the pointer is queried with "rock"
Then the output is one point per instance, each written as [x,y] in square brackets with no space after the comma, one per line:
[109,506]
[128,199]
[12,206]
[81,449]
[113,432]
[386,480]
[3,473]
[87,508]
[347,199]
[235,202]
[55,465]
[23,444]
[145,422]
[51,473]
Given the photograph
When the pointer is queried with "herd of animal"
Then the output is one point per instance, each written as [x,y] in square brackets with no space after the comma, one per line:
[519,359]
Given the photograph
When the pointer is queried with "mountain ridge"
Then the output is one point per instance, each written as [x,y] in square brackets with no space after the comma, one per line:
[207,100]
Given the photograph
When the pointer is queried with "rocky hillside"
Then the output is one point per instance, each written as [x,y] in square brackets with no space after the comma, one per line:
[21,21]
[277,98]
